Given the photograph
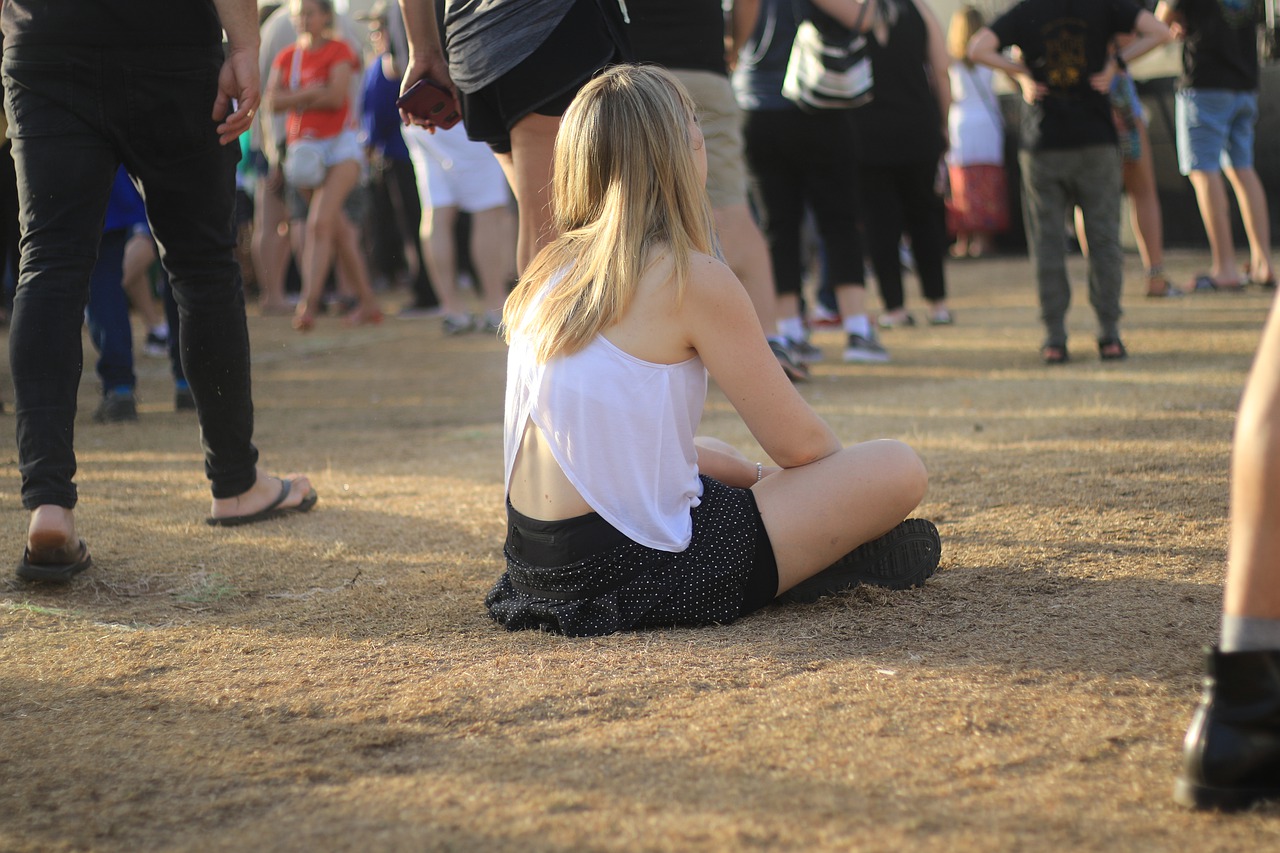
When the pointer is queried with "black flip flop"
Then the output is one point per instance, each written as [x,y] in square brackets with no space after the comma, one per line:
[54,572]
[271,510]
[1205,282]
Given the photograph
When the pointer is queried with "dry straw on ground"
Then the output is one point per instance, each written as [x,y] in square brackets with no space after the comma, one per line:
[332,682]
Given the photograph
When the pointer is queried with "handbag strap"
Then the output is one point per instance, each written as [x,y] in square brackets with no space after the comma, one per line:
[295,68]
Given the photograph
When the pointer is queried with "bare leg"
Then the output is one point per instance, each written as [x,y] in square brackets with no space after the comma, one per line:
[139,255]
[324,212]
[491,244]
[528,170]
[851,299]
[1231,754]
[747,255]
[979,243]
[438,226]
[1211,195]
[354,273]
[817,513]
[1252,199]
[270,248]
[1253,559]
[1144,205]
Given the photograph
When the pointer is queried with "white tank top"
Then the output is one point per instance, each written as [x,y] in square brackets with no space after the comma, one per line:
[621,429]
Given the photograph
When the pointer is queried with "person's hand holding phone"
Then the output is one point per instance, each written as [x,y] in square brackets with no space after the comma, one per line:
[429,104]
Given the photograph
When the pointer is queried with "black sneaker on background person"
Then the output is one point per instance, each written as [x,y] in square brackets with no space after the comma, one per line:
[864,349]
[804,352]
[795,369]
[118,405]
[1231,754]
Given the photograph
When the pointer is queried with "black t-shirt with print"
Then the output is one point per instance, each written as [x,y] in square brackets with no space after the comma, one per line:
[1221,46]
[1064,42]
[106,23]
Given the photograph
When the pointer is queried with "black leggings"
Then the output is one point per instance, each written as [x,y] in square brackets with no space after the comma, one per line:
[900,198]
[801,159]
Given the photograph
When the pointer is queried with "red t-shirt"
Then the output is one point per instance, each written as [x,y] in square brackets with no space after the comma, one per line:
[313,69]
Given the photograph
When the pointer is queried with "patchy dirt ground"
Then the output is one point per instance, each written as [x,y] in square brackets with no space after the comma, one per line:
[332,682]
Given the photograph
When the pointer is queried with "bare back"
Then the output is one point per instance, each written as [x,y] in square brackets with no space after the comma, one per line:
[651,330]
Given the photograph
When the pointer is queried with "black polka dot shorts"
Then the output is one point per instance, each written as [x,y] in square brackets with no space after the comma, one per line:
[728,570]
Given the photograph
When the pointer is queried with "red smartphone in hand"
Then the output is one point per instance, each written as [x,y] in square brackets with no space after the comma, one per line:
[431,102]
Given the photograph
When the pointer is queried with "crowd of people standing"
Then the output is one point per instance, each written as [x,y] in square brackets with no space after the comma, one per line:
[619,516]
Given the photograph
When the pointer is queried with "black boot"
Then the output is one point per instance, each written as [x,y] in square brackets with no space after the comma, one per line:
[1231,756]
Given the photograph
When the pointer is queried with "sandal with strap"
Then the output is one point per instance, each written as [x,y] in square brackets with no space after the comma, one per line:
[1054,354]
[1159,287]
[1112,349]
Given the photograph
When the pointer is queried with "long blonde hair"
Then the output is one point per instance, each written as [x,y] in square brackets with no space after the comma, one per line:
[624,182]
[965,21]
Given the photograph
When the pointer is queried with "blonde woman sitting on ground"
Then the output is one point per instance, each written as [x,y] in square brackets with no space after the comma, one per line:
[618,519]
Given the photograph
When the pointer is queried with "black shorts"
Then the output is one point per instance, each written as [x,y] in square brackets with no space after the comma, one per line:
[591,36]
[601,582]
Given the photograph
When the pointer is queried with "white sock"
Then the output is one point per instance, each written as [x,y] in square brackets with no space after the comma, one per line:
[1249,634]
[791,328]
[858,324]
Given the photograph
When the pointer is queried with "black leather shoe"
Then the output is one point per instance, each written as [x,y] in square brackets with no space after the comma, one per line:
[1231,755]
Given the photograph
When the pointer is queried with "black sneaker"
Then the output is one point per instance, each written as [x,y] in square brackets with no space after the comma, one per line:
[901,559]
[795,369]
[804,352]
[864,350]
[117,407]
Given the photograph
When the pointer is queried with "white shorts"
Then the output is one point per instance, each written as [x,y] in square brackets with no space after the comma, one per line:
[454,171]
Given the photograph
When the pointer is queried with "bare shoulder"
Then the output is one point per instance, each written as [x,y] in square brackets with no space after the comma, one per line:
[710,277]
[714,300]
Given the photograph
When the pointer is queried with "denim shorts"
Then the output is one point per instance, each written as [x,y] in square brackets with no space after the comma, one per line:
[1215,129]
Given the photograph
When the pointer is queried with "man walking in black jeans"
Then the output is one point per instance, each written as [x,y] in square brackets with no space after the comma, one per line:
[90,85]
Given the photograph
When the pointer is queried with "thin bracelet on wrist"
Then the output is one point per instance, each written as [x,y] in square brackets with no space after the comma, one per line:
[759,471]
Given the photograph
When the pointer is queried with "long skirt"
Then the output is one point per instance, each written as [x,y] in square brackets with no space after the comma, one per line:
[979,200]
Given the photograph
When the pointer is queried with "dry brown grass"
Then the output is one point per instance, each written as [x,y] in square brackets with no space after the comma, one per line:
[332,681]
